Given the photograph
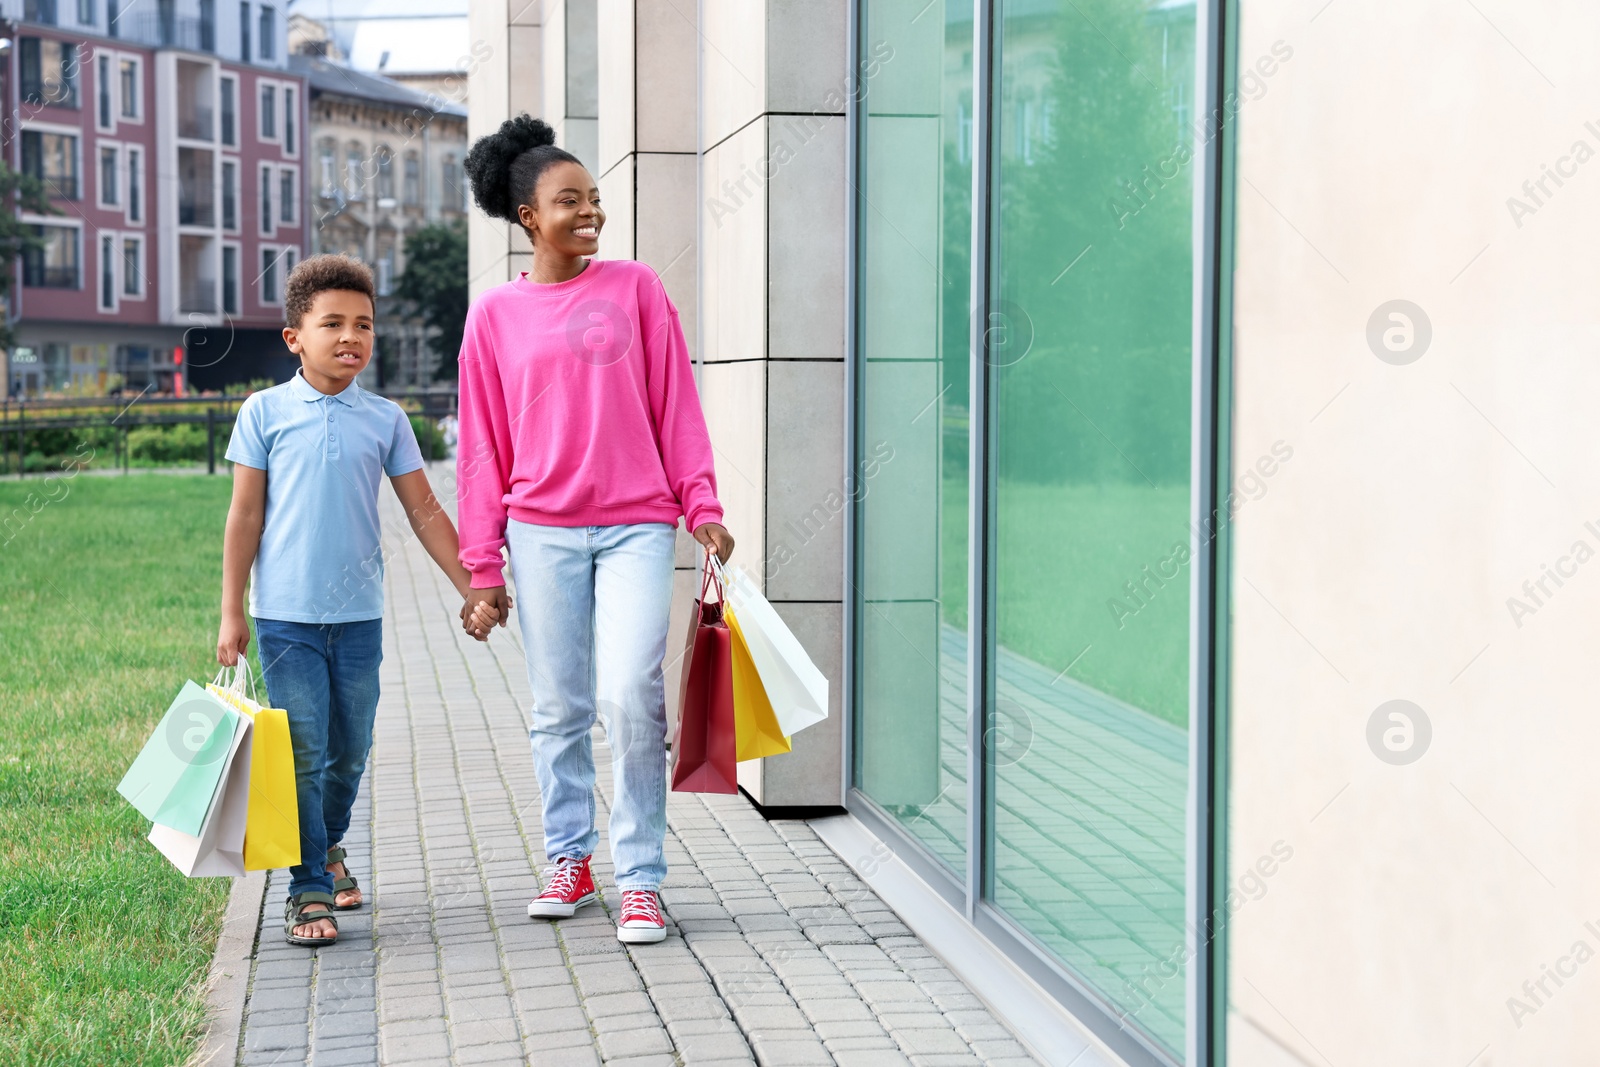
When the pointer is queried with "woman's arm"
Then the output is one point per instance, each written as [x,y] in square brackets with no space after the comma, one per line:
[681,433]
[438,537]
[241,539]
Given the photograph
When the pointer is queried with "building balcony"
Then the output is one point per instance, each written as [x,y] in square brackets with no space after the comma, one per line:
[164,29]
[195,122]
[199,296]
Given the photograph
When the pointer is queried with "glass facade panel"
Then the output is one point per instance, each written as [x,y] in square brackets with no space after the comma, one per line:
[1091,274]
[915,232]
[1085,495]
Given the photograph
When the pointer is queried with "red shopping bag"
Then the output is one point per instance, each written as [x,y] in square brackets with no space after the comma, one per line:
[704,749]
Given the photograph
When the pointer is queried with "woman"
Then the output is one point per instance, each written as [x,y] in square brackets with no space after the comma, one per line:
[581,444]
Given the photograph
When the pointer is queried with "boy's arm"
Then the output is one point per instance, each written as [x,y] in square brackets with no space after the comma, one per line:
[437,533]
[240,542]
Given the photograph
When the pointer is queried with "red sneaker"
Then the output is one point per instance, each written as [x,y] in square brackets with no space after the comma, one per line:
[641,922]
[568,886]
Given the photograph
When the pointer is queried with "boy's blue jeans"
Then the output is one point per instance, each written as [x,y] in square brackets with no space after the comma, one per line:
[325,676]
[594,603]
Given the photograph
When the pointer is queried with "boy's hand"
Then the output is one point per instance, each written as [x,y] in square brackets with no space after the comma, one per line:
[497,608]
[233,639]
[484,617]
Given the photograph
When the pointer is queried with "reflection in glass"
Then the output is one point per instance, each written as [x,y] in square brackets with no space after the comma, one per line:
[1090,402]
[915,231]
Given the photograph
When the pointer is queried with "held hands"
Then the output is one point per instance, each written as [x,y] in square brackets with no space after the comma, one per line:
[715,537]
[485,609]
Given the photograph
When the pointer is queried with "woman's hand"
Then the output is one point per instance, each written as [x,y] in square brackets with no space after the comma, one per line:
[715,537]
[496,604]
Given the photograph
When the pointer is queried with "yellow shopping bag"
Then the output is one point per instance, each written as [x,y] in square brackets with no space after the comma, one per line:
[272,824]
[756,729]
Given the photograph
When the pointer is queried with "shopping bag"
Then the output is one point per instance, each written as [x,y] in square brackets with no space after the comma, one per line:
[272,828]
[218,849]
[797,689]
[756,728]
[175,776]
[704,748]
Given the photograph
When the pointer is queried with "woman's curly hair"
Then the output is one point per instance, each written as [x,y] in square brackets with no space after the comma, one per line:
[504,166]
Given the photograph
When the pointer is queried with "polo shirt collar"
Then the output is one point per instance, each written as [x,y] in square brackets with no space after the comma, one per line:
[308,392]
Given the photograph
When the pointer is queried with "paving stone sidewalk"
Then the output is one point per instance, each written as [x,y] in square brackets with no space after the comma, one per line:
[776,952]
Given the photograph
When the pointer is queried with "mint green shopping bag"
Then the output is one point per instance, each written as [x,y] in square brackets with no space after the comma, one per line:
[175,776]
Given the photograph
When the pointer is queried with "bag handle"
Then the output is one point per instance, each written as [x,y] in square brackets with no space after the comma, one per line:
[711,574]
[242,674]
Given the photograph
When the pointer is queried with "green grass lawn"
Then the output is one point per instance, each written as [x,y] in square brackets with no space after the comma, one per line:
[1063,552]
[108,601]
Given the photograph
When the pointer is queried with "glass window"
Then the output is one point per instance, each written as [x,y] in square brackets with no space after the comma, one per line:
[132,266]
[40,11]
[413,178]
[86,12]
[53,159]
[102,77]
[353,178]
[286,196]
[244,31]
[55,265]
[230,279]
[267,225]
[135,185]
[208,25]
[327,168]
[288,120]
[110,168]
[228,88]
[230,195]
[269,112]
[385,161]
[268,33]
[911,469]
[129,75]
[1090,395]
[269,275]
[108,272]
[49,71]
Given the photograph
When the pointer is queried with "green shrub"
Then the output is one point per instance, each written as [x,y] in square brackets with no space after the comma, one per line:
[158,445]
[429,439]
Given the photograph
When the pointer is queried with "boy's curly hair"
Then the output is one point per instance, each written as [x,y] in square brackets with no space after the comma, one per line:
[319,273]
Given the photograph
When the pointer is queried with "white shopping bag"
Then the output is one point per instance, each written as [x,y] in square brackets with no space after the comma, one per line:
[797,689]
[219,850]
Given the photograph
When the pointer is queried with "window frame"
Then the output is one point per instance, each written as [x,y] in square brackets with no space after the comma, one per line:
[143,289]
[224,164]
[70,64]
[272,269]
[115,148]
[233,98]
[265,86]
[289,206]
[59,129]
[267,32]
[237,292]
[137,62]
[290,133]
[107,90]
[267,173]
[133,172]
[58,222]
[244,32]
[109,269]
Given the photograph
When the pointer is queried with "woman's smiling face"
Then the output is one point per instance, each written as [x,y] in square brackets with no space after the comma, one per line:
[566,217]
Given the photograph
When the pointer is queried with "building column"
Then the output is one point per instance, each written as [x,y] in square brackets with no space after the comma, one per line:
[773,245]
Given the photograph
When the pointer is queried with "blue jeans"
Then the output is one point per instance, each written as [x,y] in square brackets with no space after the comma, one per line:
[594,602]
[326,677]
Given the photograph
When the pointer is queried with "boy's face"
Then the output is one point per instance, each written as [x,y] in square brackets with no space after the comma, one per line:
[334,338]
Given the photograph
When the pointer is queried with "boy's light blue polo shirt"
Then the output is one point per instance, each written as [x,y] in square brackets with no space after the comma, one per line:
[321,559]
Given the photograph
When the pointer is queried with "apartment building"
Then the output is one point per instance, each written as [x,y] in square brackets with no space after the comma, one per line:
[171,141]
[385,160]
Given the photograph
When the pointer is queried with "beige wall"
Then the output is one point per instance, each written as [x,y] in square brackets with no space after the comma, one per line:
[1419,498]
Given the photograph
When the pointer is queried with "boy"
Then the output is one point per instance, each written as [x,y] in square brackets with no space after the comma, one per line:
[303,527]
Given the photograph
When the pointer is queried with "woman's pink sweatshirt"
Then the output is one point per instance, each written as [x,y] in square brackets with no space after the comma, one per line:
[578,408]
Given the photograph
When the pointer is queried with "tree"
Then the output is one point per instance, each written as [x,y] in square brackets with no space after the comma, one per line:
[434,287]
[27,193]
